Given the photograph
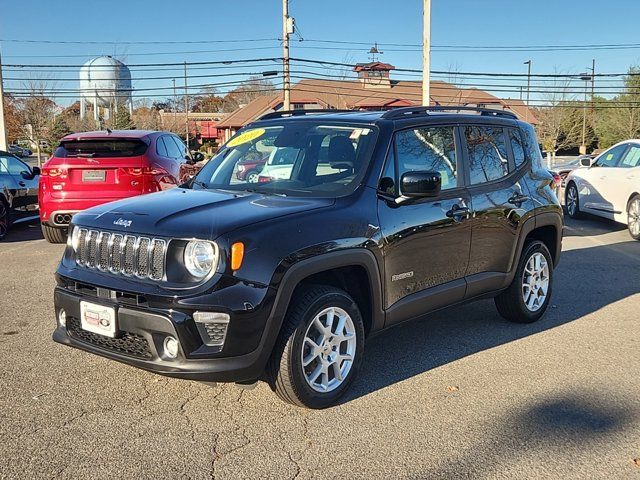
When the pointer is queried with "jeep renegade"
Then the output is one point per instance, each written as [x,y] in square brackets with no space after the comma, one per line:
[363,220]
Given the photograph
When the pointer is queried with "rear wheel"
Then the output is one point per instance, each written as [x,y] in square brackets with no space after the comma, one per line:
[252,176]
[4,219]
[319,349]
[633,217]
[572,201]
[53,234]
[527,298]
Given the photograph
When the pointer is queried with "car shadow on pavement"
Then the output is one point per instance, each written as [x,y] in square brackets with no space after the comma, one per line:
[542,427]
[457,332]
[25,231]
[591,225]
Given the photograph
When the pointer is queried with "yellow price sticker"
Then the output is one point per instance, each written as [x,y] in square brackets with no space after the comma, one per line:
[245,137]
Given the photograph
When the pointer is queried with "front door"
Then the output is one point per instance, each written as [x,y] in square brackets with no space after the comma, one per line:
[425,241]
[597,180]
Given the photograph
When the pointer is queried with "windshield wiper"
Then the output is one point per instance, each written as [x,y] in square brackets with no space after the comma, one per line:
[199,183]
[265,192]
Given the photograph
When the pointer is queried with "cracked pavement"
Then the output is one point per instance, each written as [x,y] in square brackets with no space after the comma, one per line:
[459,394]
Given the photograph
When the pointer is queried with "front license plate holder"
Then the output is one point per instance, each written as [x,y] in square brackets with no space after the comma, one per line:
[98,319]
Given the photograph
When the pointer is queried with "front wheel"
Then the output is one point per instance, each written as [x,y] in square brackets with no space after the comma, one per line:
[4,219]
[527,298]
[572,201]
[319,349]
[633,217]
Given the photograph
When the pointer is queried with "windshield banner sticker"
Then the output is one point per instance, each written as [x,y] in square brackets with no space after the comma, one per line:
[245,137]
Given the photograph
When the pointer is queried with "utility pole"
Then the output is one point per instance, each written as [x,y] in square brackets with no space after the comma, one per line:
[586,77]
[3,130]
[175,102]
[426,51]
[287,29]
[186,106]
[528,62]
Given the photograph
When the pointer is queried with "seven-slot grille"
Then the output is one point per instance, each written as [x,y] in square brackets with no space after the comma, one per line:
[122,254]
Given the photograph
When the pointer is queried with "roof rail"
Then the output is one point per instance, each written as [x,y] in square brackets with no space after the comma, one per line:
[299,112]
[404,112]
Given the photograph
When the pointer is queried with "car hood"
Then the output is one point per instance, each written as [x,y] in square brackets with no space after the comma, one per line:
[185,213]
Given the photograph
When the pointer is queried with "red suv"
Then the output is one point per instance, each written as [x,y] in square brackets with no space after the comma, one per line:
[92,168]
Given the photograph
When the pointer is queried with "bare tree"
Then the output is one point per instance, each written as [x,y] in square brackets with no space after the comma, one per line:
[38,111]
[558,128]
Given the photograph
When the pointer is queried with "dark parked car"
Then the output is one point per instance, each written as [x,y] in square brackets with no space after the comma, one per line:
[18,192]
[19,151]
[381,217]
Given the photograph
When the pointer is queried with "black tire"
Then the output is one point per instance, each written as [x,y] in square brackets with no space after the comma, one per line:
[54,234]
[252,176]
[285,372]
[5,218]
[511,303]
[572,211]
[633,220]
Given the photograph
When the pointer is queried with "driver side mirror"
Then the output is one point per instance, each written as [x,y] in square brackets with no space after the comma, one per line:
[195,157]
[587,162]
[420,184]
[29,175]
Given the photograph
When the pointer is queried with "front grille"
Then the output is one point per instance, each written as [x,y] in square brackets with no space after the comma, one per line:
[127,343]
[122,254]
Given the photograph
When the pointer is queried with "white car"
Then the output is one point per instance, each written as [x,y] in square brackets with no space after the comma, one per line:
[609,187]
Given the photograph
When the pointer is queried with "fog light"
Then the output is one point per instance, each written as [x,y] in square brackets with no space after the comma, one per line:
[171,347]
[62,318]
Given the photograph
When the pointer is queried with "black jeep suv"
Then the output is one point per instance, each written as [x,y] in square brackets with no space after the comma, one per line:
[359,221]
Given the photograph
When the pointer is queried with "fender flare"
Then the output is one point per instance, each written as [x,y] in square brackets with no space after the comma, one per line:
[360,257]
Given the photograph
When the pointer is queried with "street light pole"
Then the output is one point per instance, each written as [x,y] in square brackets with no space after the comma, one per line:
[426,52]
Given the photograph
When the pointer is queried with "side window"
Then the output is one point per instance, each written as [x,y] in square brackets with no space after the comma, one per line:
[160,148]
[428,150]
[632,158]
[12,166]
[387,183]
[487,154]
[180,145]
[531,145]
[172,148]
[517,146]
[611,157]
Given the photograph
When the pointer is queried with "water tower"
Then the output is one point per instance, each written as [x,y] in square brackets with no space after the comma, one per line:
[106,83]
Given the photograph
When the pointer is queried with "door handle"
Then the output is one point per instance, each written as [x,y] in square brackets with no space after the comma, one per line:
[518,199]
[457,212]
[22,184]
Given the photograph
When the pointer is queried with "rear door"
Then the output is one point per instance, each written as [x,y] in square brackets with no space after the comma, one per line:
[100,168]
[499,199]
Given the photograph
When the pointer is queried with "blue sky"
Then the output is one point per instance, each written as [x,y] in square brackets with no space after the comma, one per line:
[454,22]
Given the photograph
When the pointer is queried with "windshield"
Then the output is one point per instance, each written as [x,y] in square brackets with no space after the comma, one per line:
[116,147]
[297,158]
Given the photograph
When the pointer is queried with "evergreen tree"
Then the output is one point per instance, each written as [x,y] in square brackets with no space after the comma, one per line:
[122,121]
[59,128]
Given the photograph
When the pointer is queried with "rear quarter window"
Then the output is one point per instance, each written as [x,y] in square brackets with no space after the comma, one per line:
[101,148]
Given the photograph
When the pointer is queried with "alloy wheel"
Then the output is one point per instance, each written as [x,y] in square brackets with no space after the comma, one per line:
[633,217]
[252,178]
[4,220]
[535,282]
[572,200]
[328,349]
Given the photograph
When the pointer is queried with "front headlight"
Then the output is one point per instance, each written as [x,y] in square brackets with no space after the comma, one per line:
[200,258]
[74,239]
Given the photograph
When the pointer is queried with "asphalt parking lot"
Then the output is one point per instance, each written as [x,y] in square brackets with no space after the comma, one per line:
[459,394]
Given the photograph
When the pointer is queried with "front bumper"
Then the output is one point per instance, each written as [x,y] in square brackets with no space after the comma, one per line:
[143,329]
